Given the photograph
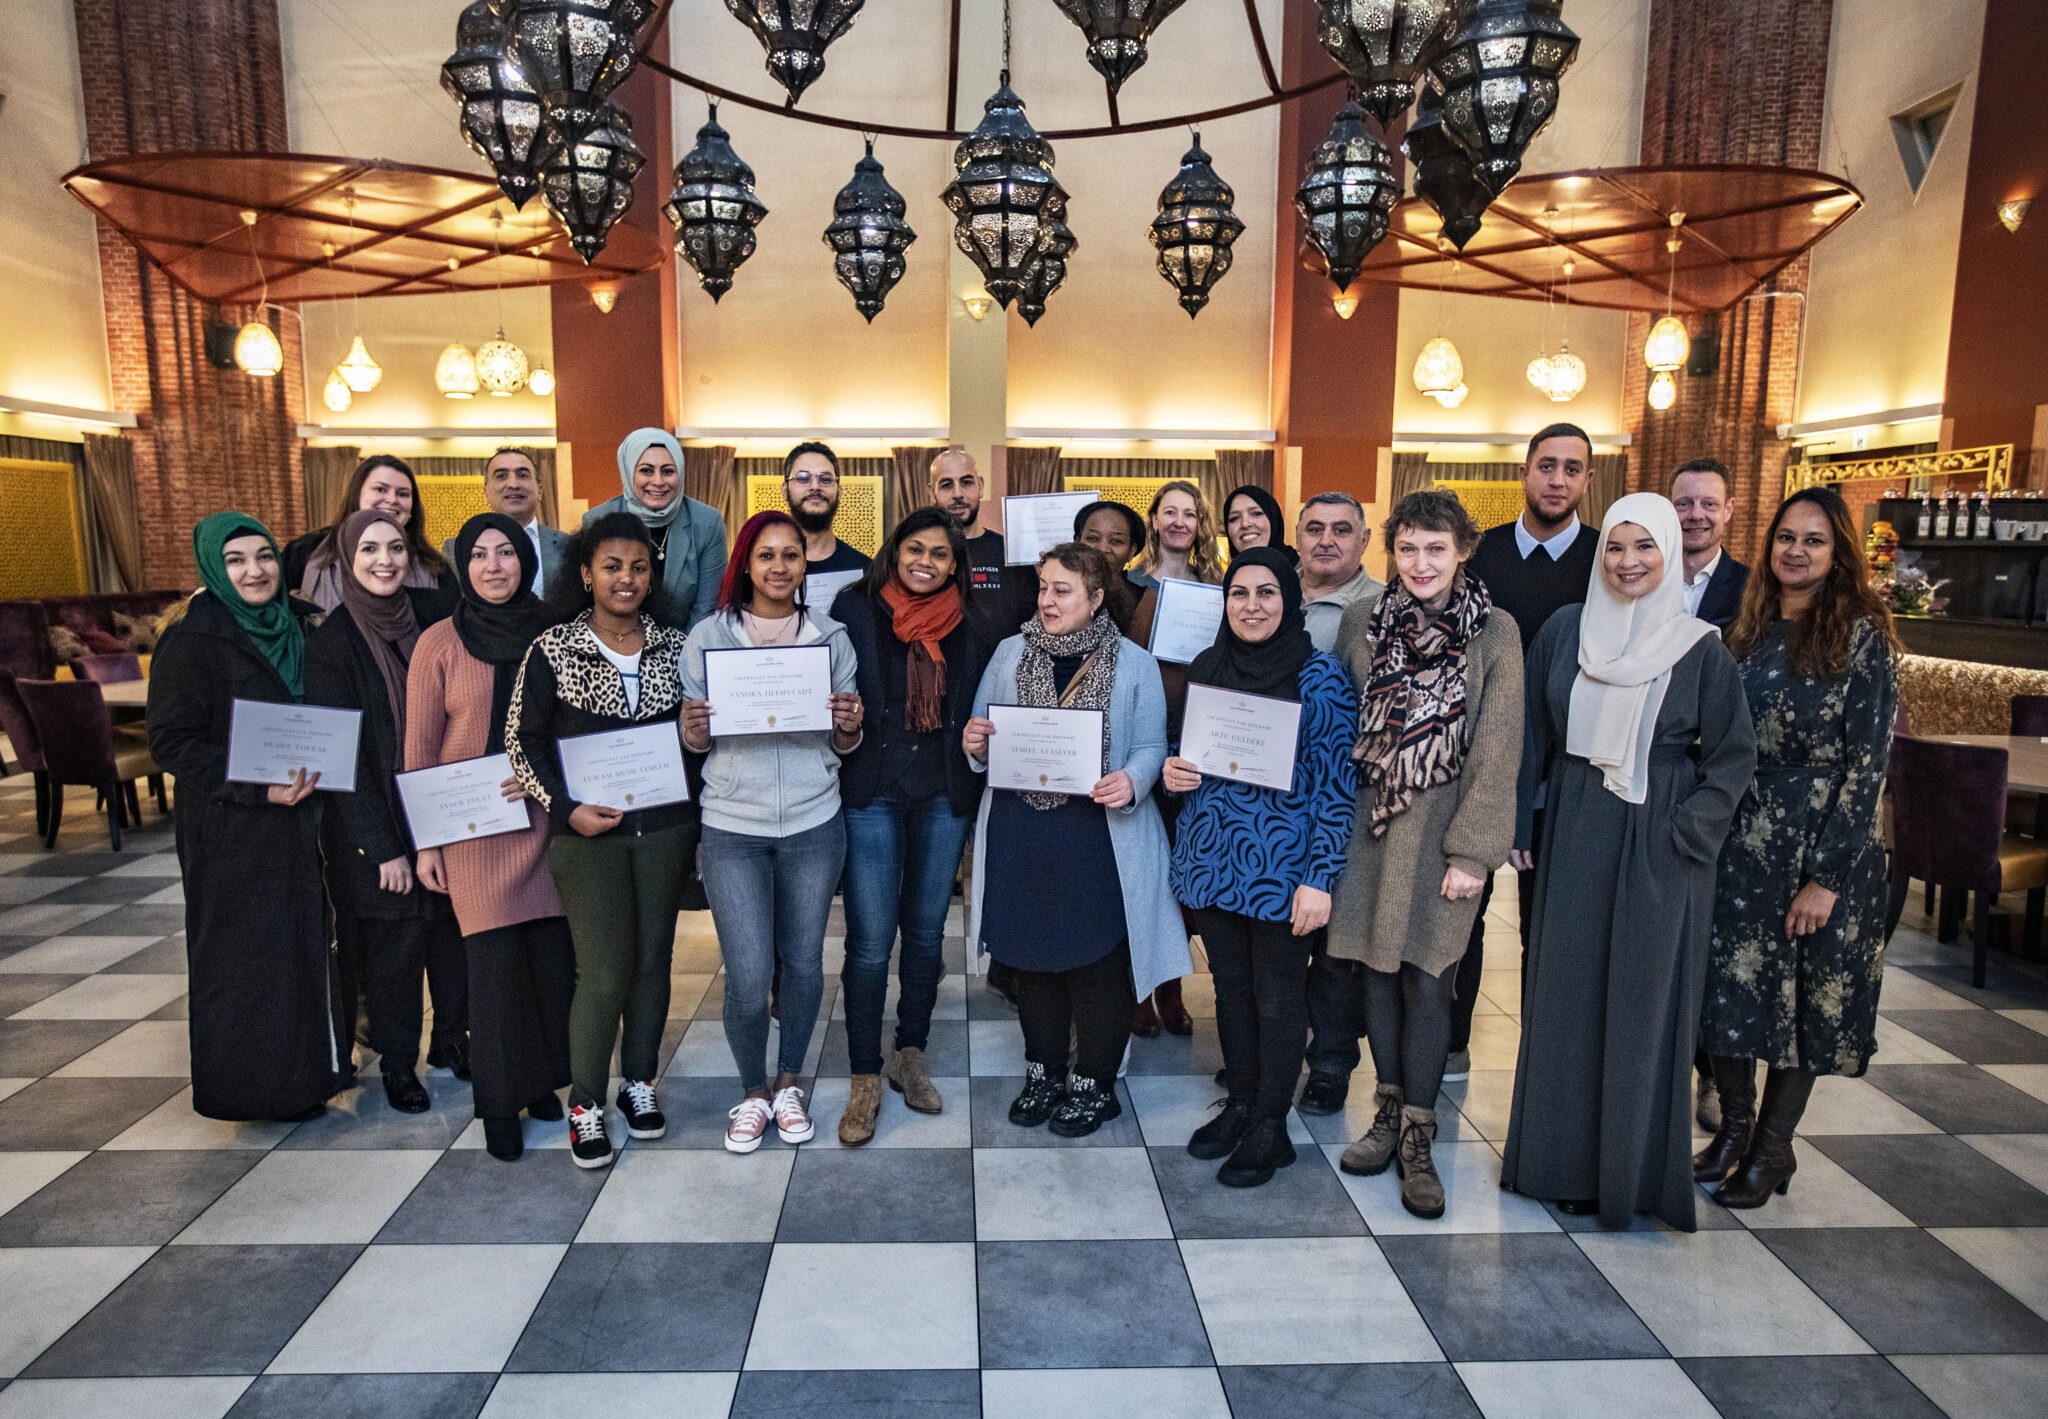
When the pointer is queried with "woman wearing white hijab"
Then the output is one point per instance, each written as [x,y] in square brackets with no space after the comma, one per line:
[1638,741]
[688,536]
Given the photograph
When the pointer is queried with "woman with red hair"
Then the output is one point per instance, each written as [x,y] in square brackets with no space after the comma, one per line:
[774,842]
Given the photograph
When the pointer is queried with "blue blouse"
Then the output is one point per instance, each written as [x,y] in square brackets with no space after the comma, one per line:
[1245,849]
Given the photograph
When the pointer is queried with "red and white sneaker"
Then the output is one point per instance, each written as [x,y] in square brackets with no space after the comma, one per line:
[749,1122]
[588,1143]
[791,1121]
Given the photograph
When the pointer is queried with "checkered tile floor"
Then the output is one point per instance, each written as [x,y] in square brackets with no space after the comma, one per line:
[372,1264]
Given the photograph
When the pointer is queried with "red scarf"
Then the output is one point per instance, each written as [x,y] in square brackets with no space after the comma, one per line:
[921,622]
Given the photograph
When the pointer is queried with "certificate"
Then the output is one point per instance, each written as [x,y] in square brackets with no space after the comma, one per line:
[462,800]
[641,767]
[776,689]
[267,742]
[1045,750]
[1033,522]
[821,588]
[1249,738]
[1185,621]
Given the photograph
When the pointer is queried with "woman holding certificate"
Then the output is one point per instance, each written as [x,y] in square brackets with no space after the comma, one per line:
[600,692]
[1070,887]
[357,661]
[1439,745]
[1265,764]
[1637,732]
[768,693]
[267,1040]
[522,966]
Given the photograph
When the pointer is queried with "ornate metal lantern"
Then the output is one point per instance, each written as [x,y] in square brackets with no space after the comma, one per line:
[1443,172]
[1049,271]
[1499,78]
[868,235]
[589,184]
[501,113]
[1384,45]
[999,194]
[574,53]
[1116,31]
[795,34]
[1195,228]
[501,366]
[1347,194]
[714,208]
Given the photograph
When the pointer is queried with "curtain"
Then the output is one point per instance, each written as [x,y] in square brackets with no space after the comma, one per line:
[1233,468]
[708,477]
[110,485]
[1413,472]
[1032,470]
[327,474]
[1606,480]
[908,485]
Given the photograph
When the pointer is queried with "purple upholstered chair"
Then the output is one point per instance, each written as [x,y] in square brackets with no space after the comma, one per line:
[109,669]
[80,747]
[1948,829]
[28,745]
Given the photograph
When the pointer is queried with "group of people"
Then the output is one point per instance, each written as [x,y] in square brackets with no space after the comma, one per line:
[1680,759]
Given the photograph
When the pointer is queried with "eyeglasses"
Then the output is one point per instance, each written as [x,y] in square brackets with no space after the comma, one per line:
[810,480]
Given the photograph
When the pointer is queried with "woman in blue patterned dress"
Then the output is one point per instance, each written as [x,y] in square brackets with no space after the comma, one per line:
[1256,865]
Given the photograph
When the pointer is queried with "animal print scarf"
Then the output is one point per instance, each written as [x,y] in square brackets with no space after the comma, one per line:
[1411,726]
[1089,689]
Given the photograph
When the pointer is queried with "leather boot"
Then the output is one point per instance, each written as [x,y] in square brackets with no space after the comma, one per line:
[403,1088]
[1422,1191]
[1145,1020]
[504,1139]
[1264,1148]
[1735,1082]
[1172,1013]
[1369,1156]
[863,1103]
[1769,1164]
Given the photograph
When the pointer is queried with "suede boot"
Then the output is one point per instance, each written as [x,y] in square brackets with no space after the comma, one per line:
[863,1104]
[1422,1191]
[910,1078]
[1769,1164]
[1735,1083]
[1369,1156]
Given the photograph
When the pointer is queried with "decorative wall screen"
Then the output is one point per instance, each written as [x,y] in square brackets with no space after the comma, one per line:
[1490,502]
[42,531]
[1134,493]
[860,506]
[451,500]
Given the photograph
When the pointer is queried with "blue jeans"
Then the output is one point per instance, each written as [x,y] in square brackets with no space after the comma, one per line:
[770,899]
[901,860]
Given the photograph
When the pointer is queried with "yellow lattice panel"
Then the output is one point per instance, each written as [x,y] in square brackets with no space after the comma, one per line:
[42,533]
[1490,501]
[860,507]
[1134,493]
[451,499]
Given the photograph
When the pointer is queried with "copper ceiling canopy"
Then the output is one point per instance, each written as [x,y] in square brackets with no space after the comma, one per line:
[1742,226]
[412,230]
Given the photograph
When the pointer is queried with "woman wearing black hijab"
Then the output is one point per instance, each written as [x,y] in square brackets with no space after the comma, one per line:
[1251,518]
[1256,865]
[357,660]
[522,965]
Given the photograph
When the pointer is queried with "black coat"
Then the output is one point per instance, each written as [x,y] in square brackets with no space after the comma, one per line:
[265,1024]
[967,650]
[370,826]
[1723,601]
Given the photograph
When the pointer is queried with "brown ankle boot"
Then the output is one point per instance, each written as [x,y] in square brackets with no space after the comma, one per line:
[863,1103]
[913,1080]
[1770,1162]
[1422,1191]
[1369,1156]
[1145,1020]
[1173,1015]
[1735,1082]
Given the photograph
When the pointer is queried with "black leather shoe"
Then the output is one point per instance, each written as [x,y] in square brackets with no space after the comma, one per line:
[1578,1206]
[546,1109]
[1323,1094]
[403,1088]
[1219,1137]
[503,1138]
[1264,1150]
[452,1056]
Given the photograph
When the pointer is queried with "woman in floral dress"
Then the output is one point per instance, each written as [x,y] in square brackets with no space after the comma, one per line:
[1798,944]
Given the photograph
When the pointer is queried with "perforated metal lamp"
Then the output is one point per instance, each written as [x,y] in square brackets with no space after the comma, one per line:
[502,119]
[714,208]
[501,366]
[1195,228]
[336,394]
[795,34]
[1049,271]
[1116,31]
[1384,45]
[574,53]
[589,184]
[868,236]
[999,195]
[1347,194]
[1439,369]
[1499,78]
[1443,172]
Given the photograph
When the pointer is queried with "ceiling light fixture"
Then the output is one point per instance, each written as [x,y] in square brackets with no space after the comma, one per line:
[256,349]
[1347,194]
[604,298]
[2011,214]
[455,373]
[868,235]
[357,369]
[1663,390]
[714,208]
[1345,303]
[978,303]
[336,394]
[541,381]
[1668,345]
[1196,225]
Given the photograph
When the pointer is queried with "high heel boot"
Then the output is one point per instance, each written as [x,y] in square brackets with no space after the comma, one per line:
[1735,1082]
[1769,1164]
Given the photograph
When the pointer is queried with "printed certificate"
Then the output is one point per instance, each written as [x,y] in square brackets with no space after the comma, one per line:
[1249,738]
[466,799]
[626,769]
[1033,522]
[267,742]
[777,689]
[1045,750]
[821,588]
[1184,624]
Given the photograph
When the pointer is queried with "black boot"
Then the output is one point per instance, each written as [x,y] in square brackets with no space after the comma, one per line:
[1086,1107]
[546,1109]
[504,1139]
[1770,1163]
[1735,1083]
[1219,1137]
[452,1055]
[1040,1095]
[403,1088]
[1264,1150]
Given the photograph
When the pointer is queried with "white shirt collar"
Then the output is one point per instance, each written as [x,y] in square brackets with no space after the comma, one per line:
[1696,587]
[1706,573]
[1526,543]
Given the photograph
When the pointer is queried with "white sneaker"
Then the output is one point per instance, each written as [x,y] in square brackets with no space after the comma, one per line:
[791,1121]
[749,1122]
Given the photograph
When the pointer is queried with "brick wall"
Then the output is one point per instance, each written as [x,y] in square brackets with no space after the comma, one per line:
[158,78]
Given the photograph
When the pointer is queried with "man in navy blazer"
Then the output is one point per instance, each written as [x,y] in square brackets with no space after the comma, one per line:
[1713,579]
[512,487]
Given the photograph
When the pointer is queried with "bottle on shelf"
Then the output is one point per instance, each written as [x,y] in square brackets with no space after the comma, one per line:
[1944,515]
[1925,527]
[1980,518]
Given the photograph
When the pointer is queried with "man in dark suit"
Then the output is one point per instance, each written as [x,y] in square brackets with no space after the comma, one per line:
[512,487]
[1713,579]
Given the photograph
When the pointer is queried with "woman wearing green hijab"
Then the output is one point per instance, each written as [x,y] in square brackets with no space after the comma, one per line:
[688,536]
[265,1024]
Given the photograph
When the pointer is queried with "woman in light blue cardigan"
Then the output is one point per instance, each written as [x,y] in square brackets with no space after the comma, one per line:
[688,537]
[1072,891]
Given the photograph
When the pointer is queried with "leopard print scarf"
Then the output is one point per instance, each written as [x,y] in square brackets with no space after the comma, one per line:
[1090,688]
[1411,726]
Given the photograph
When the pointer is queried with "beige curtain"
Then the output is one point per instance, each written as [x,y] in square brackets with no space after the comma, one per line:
[110,484]
[1233,468]
[1413,472]
[908,485]
[708,477]
[327,475]
[1608,482]
[1033,470]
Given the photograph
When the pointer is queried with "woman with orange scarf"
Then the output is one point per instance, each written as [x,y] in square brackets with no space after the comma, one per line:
[909,798]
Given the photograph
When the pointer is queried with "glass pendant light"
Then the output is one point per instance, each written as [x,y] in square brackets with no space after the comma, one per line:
[1669,345]
[1663,390]
[455,373]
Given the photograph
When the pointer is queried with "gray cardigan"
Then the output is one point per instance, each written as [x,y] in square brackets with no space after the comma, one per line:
[1137,745]
[695,562]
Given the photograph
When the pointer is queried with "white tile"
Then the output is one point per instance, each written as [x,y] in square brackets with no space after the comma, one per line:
[1980,1386]
[13,1086]
[1192,1393]
[2033,1078]
[1485,1101]
[318,1195]
[897,1125]
[49,918]
[668,1396]
[823,1301]
[105,997]
[171,896]
[147,1049]
[704,1054]
[1473,1200]
[1717,1293]
[1823,1194]
[1857,1106]
[2023,1154]
[467,1318]
[690,1195]
[173,1125]
[1898,1045]
[1067,1195]
[74,955]
[1584,1389]
[196,1397]
[155,865]
[23,1175]
[1904,991]
[995,1047]
[44,1291]
[1496,1041]
[2035,1020]
[2015,1257]
[1170,1107]
[1255,1294]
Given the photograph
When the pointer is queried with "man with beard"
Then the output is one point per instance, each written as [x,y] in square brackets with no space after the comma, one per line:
[810,483]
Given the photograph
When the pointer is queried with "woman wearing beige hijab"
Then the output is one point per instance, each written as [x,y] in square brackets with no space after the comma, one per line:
[1638,744]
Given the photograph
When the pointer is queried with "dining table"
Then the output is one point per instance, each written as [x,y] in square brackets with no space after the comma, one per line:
[2026,764]
[126,694]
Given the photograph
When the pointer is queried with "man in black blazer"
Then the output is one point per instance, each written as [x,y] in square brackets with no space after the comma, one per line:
[1713,579]
[512,487]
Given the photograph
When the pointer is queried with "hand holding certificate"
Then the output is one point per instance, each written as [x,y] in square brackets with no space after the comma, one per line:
[1033,522]
[1044,750]
[1184,625]
[769,689]
[459,801]
[273,743]
[822,588]
[626,769]
[1248,738]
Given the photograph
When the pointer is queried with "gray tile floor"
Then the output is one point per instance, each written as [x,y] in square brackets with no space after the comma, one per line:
[368,1264]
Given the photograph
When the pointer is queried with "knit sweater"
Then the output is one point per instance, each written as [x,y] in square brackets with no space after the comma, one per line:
[1533,588]
[496,881]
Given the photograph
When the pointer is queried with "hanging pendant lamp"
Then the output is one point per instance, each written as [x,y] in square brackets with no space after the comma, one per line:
[795,34]
[336,393]
[588,184]
[574,53]
[501,366]
[1195,228]
[1347,194]
[1384,45]
[999,194]
[358,370]
[502,120]
[868,235]
[1116,32]
[714,208]
[1669,345]
[1663,391]
[1499,77]
[1439,369]
[455,373]
[1443,173]
[1049,271]
[541,381]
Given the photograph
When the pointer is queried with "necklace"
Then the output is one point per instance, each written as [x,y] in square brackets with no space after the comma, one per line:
[611,635]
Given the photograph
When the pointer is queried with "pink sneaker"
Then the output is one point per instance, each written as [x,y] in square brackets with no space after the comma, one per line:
[791,1121]
[749,1122]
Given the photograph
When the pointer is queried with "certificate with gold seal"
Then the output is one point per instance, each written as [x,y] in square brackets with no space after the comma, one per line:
[1036,750]
[776,689]
[466,799]
[1249,738]
[626,769]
